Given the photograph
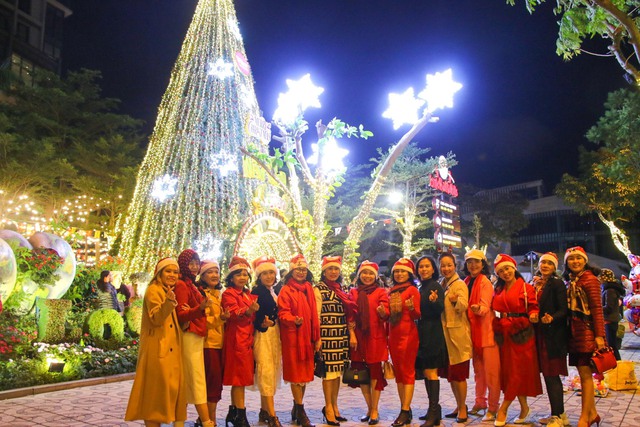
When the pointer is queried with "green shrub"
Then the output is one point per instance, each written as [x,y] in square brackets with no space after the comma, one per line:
[51,319]
[133,315]
[96,327]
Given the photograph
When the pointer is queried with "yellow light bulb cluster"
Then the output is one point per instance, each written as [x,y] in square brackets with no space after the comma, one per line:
[201,115]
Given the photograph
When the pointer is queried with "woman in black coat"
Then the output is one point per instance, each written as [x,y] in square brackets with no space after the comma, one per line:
[432,352]
[552,334]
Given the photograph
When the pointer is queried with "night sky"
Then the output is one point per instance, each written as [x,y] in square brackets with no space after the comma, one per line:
[520,116]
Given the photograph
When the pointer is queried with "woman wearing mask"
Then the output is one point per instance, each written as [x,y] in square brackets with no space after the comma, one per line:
[209,283]
[485,352]
[267,349]
[191,312]
[586,325]
[370,346]
[158,394]
[516,304]
[457,334]
[432,353]
[238,338]
[336,313]
[299,333]
[551,335]
[404,302]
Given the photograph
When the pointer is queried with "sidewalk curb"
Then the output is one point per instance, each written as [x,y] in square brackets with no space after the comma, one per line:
[46,388]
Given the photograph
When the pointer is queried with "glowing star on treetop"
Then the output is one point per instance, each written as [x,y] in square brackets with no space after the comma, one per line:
[301,95]
[332,156]
[439,91]
[220,69]
[403,108]
[164,187]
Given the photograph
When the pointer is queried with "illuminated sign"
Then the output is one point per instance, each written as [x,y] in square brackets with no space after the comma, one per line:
[442,180]
[259,128]
[440,205]
[444,239]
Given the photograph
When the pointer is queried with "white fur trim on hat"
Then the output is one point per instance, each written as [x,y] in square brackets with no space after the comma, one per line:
[331,261]
[238,263]
[551,257]
[504,259]
[370,266]
[404,264]
[576,250]
[207,265]
[264,263]
[298,261]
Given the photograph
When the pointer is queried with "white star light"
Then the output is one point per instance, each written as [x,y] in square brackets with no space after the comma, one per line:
[439,91]
[332,156]
[232,24]
[301,95]
[208,247]
[164,187]
[403,108]
[224,162]
[220,69]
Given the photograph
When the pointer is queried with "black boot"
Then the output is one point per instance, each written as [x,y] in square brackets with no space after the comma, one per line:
[231,416]
[293,413]
[434,415]
[241,418]
[404,418]
[273,421]
[301,416]
[426,387]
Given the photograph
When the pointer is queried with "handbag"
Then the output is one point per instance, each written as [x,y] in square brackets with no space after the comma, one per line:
[622,377]
[603,360]
[319,369]
[387,370]
[353,376]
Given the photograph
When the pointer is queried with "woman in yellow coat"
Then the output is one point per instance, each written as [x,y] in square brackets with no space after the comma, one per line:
[157,395]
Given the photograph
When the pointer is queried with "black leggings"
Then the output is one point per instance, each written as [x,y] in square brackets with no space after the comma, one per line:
[555,393]
[611,330]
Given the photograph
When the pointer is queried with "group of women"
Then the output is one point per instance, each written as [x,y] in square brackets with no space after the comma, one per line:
[195,338]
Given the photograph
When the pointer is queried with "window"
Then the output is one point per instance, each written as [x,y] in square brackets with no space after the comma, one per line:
[22,68]
[25,6]
[22,32]
[53,32]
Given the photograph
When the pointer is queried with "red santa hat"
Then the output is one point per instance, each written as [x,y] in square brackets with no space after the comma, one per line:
[298,261]
[551,257]
[165,262]
[502,260]
[370,266]
[576,250]
[207,265]
[404,264]
[264,263]
[331,261]
[238,263]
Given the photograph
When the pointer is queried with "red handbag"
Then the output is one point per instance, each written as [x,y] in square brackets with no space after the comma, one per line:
[603,360]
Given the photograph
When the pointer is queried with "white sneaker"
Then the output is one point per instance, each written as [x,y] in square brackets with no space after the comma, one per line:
[555,422]
[563,417]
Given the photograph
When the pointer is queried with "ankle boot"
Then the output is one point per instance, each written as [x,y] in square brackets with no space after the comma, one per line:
[301,416]
[231,416]
[404,418]
[273,421]
[241,418]
[293,413]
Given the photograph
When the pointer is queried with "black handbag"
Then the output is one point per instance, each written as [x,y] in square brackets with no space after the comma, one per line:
[353,376]
[319,369]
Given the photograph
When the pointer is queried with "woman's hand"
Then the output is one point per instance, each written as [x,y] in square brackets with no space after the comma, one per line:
[409,303]
[547,318]
[298,321]
[600,342]
[533,318]
[433,296]
[225,315]
[453,297]
[353,342]
[382,312]
[318,345]
[267,323]
[207,302]
[171,296]
[253,308]
[475,308]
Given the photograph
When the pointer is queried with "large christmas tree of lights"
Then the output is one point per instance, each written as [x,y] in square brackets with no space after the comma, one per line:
[190,190]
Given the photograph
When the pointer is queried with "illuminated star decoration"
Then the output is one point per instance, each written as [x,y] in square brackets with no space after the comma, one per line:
[403,108]
[220,69]
[164,187]
[301,95]
[208,247]
[232,24]
[224,162]
[332,156]
[439,91]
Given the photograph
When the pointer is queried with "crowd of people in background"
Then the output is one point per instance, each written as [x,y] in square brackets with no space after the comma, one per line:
[430,323]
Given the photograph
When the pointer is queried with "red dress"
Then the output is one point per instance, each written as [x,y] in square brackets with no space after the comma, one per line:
[297,300]
[237,350]
[403,336]
[372,346]
[519,375]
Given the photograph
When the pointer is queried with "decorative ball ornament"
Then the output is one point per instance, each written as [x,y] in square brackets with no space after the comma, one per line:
[164,187]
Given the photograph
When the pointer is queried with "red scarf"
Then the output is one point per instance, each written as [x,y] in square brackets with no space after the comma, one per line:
[476,330]
[306,335]
[349,306]
[399,289]
[363,306]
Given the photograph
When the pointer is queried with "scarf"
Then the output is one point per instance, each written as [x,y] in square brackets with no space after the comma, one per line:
[349,306]
[475,321]
[306,334]
[577,299]
[395,302]
[363,319]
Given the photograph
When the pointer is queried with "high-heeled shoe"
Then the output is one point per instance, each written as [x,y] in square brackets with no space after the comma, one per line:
[595,421]
[341,418]
[263,416]
[373,421]
[326,421]
[525,419]
[498,423]
[364,419]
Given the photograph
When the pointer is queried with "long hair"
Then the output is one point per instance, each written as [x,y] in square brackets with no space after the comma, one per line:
[436,273]
[500,283]
[101,283]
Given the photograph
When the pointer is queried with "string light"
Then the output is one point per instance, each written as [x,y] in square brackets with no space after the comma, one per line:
[164,187]
[201,114]
[224,162]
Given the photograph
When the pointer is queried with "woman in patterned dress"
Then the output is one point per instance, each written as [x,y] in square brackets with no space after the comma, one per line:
[336,313]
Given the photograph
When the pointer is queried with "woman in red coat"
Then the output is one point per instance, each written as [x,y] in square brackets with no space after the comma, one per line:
[370,346]
[404,302]
[237,349]
[191,311]
[586,321]
[299,333]
[516,305]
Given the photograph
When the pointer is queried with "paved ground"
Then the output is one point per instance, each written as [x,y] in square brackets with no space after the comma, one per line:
[104,405]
